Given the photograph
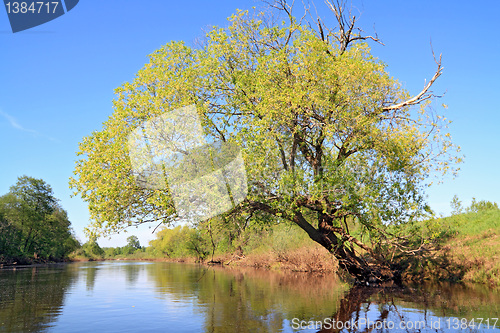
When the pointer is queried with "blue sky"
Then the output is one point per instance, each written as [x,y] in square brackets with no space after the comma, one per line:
[57,80]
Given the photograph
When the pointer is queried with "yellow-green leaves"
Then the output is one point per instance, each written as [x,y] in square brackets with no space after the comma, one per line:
[311,122]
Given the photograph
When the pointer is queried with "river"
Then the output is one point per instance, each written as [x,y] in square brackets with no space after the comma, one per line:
[128,296]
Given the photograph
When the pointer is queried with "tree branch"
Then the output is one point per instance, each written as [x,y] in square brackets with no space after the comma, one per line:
[423,95]
[345,35]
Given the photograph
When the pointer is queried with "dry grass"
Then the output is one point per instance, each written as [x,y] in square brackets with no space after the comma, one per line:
[469,248]
[480,255]
[310,258]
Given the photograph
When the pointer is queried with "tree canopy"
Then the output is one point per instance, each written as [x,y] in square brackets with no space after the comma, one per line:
[133,242]
[32,223]
[325,132]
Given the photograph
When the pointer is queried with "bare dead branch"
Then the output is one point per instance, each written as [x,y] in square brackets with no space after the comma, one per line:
[157,227]
[423,95]
[322,34]
[347,33]
[283,6]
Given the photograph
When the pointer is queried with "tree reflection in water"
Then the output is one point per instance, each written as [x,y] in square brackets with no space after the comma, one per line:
[139,296]
[249,300]
[31,298]
[428,308]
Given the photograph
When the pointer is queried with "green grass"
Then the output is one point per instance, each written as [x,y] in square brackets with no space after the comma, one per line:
[475,223]
[279,238]
[472,240]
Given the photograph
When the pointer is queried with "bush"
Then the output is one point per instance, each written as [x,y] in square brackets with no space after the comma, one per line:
[92,250]
[172,243]
[482,205]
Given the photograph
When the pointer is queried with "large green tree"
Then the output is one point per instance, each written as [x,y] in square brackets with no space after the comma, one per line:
[327,135]
[133,242]
[32,224]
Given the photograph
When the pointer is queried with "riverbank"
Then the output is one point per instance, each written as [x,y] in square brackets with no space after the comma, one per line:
[19,261]
[474,244]
[466,247]
[310,258]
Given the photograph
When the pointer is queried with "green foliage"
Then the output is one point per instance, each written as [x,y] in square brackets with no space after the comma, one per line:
[92,250]
[133,242]
[311,116]
[32,224]
[198,245]
[482,205]
[456,206]
[111,252]
[171,242]
[180,242]
[132,249]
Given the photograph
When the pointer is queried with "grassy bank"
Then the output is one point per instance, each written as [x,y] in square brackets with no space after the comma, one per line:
[464,246]
[280,247]
[467,248]
[473,243]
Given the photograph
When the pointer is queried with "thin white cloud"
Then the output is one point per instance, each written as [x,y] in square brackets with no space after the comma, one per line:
[13,122]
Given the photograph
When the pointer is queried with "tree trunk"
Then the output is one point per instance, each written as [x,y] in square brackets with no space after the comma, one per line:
[27,242]
[365,270]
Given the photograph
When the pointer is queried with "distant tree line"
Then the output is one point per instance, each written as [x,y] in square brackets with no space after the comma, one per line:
[182,241]
[33,226]
[133,246]
[92,251]
[475,206]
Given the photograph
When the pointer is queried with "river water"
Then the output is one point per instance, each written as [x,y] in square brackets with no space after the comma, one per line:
[126,296]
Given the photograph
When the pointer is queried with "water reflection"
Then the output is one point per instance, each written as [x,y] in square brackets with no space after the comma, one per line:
[32,298]
[236,300]
[152,297]
[429,308]
[90,275]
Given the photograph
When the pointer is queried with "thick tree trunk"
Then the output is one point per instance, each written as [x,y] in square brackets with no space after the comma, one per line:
[370,272]
[367,270]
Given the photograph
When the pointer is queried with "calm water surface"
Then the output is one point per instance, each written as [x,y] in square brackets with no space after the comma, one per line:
[117,296]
